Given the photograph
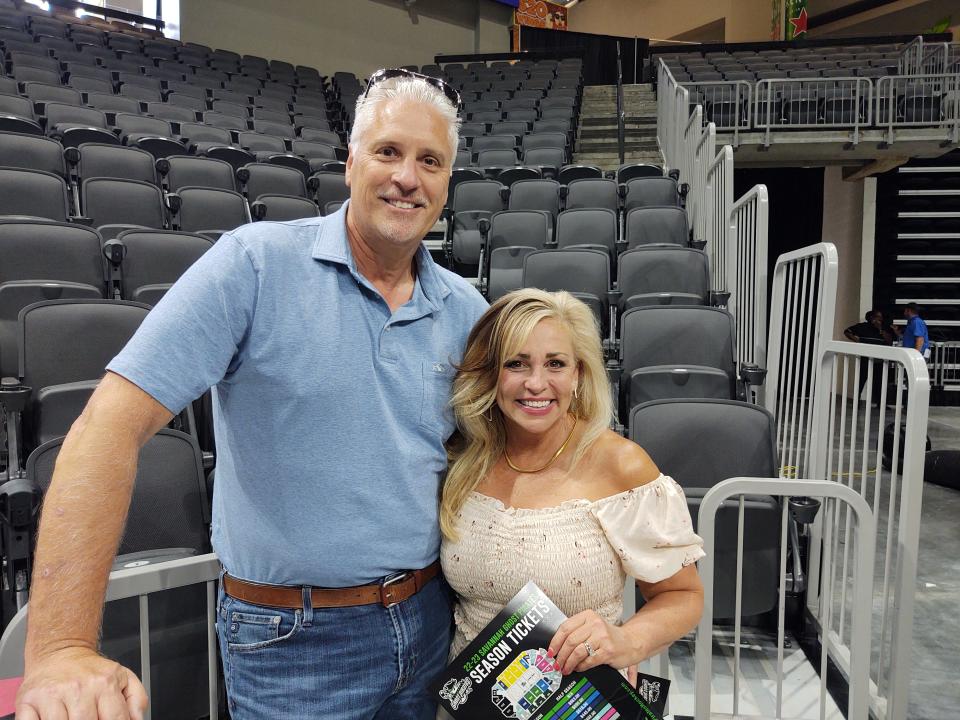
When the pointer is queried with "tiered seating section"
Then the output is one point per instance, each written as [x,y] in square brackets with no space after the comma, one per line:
[514,114]
[806,88]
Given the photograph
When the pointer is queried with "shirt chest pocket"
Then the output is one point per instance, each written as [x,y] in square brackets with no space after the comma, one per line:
[436,414]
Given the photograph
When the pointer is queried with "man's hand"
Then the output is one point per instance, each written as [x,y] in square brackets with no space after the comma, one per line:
[79,684]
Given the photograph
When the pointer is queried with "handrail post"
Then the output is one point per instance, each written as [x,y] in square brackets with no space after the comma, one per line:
[620,110]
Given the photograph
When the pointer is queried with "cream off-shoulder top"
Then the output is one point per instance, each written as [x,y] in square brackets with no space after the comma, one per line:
[578,552]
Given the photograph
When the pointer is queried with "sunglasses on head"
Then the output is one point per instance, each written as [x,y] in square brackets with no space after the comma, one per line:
[388,73]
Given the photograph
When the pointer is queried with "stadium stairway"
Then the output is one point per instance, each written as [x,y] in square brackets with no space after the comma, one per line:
[597,132]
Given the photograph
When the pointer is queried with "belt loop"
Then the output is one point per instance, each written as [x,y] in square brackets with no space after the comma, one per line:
[307,606]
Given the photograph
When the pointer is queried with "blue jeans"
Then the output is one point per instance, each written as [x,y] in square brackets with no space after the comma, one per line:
[349,663]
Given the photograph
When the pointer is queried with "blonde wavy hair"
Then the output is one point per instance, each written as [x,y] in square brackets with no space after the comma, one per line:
[498,335]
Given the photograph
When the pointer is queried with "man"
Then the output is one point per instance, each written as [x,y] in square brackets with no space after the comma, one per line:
[330,344]
[915,334]
[871,332]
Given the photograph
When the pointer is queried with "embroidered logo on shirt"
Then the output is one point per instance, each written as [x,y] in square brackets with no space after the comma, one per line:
[438,368]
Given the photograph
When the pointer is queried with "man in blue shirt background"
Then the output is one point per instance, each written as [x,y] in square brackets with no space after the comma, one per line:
[915,335]
[330,344]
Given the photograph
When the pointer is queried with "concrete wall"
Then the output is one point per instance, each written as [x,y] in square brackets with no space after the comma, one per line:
[746,20]
[843,226]
[352,35]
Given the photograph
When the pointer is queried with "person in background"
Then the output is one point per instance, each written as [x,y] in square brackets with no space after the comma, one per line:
[915,334]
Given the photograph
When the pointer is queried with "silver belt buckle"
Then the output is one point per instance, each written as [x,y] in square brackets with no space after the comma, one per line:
[387,582]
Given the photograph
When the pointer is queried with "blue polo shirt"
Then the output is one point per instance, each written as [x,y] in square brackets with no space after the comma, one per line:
[915,328]
[330,411]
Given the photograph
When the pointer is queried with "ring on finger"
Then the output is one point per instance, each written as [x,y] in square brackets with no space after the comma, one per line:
[590,651]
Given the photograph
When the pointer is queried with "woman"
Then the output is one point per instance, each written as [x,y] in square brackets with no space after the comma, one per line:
[539,488]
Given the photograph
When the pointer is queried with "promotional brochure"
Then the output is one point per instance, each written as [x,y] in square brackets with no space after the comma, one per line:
[505,672]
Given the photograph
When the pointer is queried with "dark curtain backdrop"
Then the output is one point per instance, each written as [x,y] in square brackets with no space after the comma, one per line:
[795,197]
[599,52]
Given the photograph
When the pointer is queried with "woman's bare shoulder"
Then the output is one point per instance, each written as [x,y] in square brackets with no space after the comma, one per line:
[621,465]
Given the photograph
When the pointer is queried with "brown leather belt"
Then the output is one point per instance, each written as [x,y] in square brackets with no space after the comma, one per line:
[388,592]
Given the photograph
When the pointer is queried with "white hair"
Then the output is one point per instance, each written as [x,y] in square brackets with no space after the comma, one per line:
[405,88]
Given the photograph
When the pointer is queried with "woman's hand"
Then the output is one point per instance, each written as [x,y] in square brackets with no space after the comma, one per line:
[587,631]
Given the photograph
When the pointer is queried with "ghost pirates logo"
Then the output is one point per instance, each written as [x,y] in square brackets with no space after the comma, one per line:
[456,691]
[649,691]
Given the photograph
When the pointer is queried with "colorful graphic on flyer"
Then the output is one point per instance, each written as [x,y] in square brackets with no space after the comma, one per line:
[506,672]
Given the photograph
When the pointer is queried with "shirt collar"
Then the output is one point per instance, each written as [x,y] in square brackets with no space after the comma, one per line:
[332,246]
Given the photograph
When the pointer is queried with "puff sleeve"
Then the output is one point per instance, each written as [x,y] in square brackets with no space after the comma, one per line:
[649,528]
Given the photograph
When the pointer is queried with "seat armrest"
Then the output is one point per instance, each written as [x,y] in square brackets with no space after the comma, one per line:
[698,244]
[719,298]
[258,210]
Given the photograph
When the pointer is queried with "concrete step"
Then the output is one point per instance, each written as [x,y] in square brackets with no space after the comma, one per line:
[611,131]
[612,147]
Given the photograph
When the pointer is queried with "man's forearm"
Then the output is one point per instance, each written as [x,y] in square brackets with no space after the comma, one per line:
[918,344]
[83,517]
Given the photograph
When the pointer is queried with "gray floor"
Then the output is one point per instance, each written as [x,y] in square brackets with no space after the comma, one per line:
[934,690]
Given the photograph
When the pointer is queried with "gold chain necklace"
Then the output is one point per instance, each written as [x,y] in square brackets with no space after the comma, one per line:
[551,460]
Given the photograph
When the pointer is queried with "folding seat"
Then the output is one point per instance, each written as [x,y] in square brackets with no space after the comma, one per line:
[275,129]
[282,208]
[260,178]
[33,193]
[271,116]
[113,104]
[676,351]
[592,193]
[214,142]
[474,203]
[486,116]
[494,142]
[96,55]
[594,228]
[516,129]
[527,116]
[157,48]
[506,270]
[247,86]
[94,160]
[209,211]
[113,205]
[569,173]
[585,273]
[87,36]
[480,106]
[655,225]
[921,102]
[516,103]
[40,59]
[496,158]
[629,171]
[191,54]
[185,88]
[135,78]
[556,113]
[224,121]
[647,191]
[151,134]
[463,159]
[548,160]
[171,113]
[29,73]
[302,122]
[536,195]
[87,84]
[323,136]
[123,43]
[535,95]
[140,91]
[187,170]
[16,115]
[654,275]
[258,143]
[525,228]
[545,126]
[281,92]
[32,152]
[212,79]
[226,107]
[155,259]
[734,439]
[41,261]
[55,45]
[313,152]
